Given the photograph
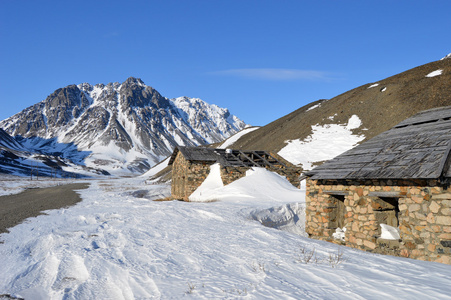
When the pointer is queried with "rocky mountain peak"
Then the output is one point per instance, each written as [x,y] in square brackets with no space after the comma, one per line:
[134,81]
[132,122]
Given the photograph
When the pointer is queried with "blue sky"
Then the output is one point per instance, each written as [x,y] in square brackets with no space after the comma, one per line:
[261,59]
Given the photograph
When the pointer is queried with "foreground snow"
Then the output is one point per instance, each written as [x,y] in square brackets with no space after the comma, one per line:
[118,244]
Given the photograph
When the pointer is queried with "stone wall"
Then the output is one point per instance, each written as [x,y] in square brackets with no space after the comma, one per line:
[421,209]
[230,174]
[187,176]
[291,174]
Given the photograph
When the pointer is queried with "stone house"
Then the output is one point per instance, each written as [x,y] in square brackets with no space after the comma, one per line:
[400,178]
[191,165]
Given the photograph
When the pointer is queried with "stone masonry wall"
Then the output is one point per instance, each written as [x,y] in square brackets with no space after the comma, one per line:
[230,174]
[187,176]
[424,216]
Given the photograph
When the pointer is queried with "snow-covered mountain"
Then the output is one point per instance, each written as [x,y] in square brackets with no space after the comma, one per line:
[127,126]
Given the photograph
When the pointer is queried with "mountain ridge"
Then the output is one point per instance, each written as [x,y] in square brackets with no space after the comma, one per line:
[128,126]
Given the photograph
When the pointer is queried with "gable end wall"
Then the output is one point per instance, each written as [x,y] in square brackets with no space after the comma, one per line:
[187,176]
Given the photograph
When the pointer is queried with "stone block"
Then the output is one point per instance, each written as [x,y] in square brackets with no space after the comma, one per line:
[414,207]
[434,207]
[369,244]
[405,253]
[445,236]
[425,234]
[360,235]
[445,196]
[444,260]
[410,245]
[443,220]
[435,228]
[419,228]
[417,199]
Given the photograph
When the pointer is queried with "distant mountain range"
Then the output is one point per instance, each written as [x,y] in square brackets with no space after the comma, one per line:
[325,128]
[106,129]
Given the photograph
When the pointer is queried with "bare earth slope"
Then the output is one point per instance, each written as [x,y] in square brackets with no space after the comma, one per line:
[380,107]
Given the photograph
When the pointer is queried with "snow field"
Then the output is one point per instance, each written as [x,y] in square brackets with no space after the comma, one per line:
[326,142]
[113,245]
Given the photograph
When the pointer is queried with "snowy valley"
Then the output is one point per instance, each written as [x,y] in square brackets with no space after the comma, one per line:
[246,240]
[119,244]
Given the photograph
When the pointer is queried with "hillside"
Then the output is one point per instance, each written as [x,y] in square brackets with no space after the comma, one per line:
[379,106]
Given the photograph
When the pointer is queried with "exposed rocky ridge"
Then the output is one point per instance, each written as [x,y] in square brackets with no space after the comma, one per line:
[379,105]
[123,126]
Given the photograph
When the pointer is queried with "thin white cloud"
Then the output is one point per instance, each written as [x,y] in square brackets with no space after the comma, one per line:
[112,34]
[275,74]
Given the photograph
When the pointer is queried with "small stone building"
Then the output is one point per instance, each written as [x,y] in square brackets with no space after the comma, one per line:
[191,166]
[400,178]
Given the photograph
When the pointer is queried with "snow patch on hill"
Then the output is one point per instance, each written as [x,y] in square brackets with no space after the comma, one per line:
[231,140]
[435,73]
[314,106]
[326,142]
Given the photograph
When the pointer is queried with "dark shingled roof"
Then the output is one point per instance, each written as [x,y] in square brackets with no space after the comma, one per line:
[417,148]
[227,157]
[195,154]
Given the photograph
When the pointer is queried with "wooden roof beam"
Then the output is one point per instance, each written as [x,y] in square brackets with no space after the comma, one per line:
[250,159]
[277,160]
[237,159]
[262,158]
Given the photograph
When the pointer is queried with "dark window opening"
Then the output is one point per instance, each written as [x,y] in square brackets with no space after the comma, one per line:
[337,212]
[386,210]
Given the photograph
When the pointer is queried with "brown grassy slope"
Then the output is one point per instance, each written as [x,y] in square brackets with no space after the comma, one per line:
[406,94]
